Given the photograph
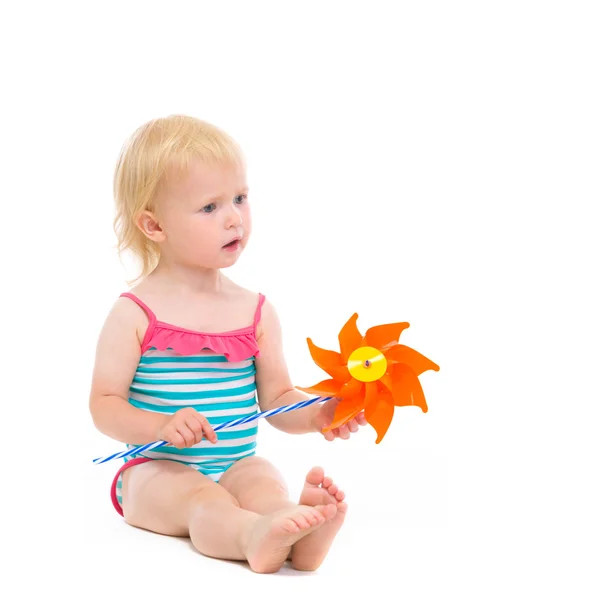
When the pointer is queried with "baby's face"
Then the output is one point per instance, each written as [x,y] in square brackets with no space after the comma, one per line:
[203,212]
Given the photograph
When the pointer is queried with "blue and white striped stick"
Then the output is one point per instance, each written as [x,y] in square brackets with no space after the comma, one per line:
[261,415]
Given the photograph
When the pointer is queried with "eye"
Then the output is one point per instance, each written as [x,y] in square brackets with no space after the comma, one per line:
[240,199]
[209,208]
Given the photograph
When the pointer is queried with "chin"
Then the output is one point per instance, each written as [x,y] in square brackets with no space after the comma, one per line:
[230,260]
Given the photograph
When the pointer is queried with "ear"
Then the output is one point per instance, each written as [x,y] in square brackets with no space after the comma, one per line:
[150,227]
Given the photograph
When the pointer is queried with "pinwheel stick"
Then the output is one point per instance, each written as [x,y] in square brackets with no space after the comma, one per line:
[228,424]
[373,373]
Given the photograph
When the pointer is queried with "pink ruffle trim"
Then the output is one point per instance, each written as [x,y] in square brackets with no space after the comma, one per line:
[235,346]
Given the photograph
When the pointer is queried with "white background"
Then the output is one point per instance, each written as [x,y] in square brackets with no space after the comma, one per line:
[429,162]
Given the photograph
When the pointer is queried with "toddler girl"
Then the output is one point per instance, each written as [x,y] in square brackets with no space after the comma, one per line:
[187,349]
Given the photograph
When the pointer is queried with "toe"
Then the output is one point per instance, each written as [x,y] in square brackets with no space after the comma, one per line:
[316,517]
[342,507]
[315,476]
[291,526]
[328,511]
[320,519]
[302,521]
[333,489]
[327,481]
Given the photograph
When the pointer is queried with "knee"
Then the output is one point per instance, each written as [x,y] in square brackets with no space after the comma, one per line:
[205,503]
[212,494]
[254,476]
[259,472]
[269,486]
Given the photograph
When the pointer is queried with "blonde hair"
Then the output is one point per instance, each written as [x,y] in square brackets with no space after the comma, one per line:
[147,159]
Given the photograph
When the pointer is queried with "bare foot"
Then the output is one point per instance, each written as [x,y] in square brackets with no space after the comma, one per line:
[310,551]
[273,535]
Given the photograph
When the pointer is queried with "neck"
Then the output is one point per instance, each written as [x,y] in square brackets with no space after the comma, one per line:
[194,279]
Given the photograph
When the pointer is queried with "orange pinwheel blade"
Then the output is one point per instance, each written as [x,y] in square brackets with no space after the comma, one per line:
[405,355]
[418,397]
[387,381]
[352,390]
[383,335]
[328,387]
[352,402]
[344,412]
[371,392]
[350,338]
[330,361]
[406,388]
[379,411]
[401,387]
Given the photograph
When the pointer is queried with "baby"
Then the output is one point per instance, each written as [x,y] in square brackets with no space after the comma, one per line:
[187,349]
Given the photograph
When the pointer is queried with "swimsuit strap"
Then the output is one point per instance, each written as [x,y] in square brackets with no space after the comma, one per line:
[257,314]
[149,313]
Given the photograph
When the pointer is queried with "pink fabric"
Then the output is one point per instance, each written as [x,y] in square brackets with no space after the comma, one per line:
[236,345]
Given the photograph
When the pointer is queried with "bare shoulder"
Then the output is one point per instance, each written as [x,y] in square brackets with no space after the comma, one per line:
[118,349]
[125,315]
[268,323]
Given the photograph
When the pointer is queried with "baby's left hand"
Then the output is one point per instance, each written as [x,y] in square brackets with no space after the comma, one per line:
[325,416]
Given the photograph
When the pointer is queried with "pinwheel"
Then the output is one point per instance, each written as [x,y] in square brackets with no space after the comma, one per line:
[373,373]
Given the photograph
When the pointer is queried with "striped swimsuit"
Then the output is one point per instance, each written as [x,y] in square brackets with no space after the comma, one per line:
[212,373]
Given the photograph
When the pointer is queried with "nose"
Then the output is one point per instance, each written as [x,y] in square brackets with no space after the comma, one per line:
[234,217]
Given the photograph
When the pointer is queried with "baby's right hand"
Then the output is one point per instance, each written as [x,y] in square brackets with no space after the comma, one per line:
[186,428]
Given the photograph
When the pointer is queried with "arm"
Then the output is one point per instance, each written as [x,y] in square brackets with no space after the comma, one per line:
[274,386]
[117,358]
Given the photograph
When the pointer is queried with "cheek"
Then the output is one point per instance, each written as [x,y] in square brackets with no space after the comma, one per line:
[191,231]
[191,228]
[247,229]
[247,217]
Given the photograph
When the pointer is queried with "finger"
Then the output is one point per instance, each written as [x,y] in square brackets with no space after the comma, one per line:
[195,426]
[209,432]
[353,426]
[176,439]
[344,433]
[361,419]
[328,435]
[202,428]
[187,434]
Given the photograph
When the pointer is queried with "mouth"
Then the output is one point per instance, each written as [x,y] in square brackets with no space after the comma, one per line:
[233,244]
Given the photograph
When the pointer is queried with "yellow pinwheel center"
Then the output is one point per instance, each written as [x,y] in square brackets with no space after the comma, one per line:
[367,364]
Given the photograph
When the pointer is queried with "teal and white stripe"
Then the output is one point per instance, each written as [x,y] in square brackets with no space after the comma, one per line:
[165,382]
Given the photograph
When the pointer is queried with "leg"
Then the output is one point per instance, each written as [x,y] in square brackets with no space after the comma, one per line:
[258,486]
[174,499]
